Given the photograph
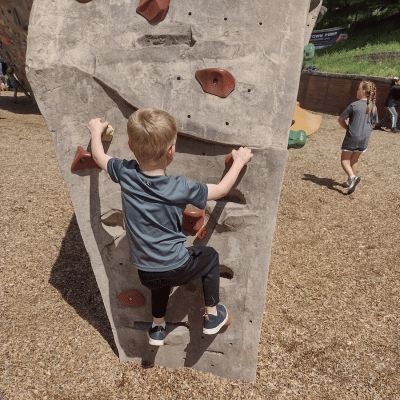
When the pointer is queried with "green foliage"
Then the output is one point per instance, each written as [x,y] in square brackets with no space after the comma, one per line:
[345,12]
[339,57]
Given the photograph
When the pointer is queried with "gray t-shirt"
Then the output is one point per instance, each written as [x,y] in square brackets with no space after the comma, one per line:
[153,207]
[360,125]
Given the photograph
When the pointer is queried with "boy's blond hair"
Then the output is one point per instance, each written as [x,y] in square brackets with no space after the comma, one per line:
[151,132]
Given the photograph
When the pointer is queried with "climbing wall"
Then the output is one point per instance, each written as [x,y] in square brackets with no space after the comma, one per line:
[228,71]
[14,21]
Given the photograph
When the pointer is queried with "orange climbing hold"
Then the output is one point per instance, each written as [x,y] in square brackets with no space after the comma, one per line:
[132,298]
[305,121]
[216,81]
[194,222]
[83,159]
[5,41]
[153,10]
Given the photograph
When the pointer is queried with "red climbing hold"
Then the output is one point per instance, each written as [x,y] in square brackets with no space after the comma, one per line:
[6,41]
[132,298]
[83,159]
[153,10]
[193,222]
[216,81]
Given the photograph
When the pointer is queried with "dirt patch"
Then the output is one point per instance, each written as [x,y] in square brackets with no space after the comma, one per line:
[331,318]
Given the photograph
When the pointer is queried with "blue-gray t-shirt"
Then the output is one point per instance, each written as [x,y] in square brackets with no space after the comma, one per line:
[153,207]
[360,125]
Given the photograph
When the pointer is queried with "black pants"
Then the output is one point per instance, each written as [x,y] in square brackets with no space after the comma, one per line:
[203,263]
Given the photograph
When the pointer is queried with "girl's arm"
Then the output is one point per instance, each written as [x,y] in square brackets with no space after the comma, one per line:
[342,123]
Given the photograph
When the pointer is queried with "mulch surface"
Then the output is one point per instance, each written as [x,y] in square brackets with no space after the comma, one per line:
[331,321]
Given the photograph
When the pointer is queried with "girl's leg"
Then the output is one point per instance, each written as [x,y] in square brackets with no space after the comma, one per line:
[15,95]
[346,163]
[354,161]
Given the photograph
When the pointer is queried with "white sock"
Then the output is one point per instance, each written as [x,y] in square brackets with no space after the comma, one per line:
[154,324]
[352,177]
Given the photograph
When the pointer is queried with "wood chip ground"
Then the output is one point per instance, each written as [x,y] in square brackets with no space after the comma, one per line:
[331,320]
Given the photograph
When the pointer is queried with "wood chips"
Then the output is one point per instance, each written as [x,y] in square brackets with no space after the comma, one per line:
[331,321]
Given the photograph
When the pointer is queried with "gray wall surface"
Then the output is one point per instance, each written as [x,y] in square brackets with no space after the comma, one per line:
[103,59]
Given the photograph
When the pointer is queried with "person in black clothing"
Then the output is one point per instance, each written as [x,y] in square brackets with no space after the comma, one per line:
[392,101]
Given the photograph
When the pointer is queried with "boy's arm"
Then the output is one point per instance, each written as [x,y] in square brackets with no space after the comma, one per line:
[342,122]
[96,128]
[240,158]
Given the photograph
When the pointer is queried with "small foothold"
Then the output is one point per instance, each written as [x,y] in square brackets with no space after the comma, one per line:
[193,222]
[108,134]
[84,1]
[216,81]
[83,159]
[153,10]
[132,298]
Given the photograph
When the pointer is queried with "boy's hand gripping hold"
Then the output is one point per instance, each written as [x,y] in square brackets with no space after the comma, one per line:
[96,128]
[240,158]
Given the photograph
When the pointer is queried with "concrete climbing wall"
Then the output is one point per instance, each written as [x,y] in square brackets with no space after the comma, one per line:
[14,22]
[106,59]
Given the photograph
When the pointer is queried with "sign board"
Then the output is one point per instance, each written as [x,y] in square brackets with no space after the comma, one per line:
[328,37]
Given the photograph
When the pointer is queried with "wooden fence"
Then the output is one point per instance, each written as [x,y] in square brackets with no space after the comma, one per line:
[332,93]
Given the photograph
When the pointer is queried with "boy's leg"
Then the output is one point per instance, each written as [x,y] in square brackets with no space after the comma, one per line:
[159,302]
[393,118]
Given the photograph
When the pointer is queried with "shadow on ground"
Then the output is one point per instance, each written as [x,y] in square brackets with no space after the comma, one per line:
[73,277]
[329,183]
[24,106]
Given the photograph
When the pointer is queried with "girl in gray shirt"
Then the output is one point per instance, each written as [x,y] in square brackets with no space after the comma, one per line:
[362,116]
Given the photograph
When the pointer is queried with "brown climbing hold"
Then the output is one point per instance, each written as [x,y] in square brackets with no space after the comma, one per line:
[84,1]
[132,298]
[153,10]
[83,159]
[193,222]
[216,81]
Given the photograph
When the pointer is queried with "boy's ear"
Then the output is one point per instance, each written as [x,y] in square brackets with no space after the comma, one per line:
[171,152]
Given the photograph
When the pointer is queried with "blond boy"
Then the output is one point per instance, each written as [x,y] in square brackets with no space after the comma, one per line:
[153,205]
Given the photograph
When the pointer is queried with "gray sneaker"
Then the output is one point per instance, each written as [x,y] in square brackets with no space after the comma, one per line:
[213,323]
[346,184]
[354,182]
[156,335]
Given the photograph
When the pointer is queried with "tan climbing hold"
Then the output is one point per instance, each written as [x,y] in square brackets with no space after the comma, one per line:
[108,134]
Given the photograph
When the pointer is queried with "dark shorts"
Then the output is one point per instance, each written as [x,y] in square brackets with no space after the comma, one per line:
[203,263]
